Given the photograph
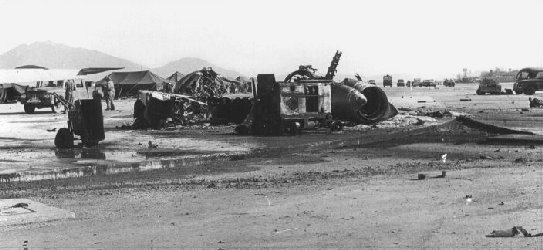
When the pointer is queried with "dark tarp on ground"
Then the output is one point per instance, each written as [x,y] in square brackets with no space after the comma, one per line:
[129,83]
[11,92]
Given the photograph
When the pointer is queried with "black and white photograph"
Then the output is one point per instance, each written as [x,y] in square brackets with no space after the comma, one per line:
[254,124]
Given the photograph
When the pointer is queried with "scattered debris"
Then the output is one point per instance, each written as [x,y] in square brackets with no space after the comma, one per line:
[504,233]
[444,158]
[517,230]
[442,175]
[151,145]
[521,160]
[535,103]
[22,205]
[469,199]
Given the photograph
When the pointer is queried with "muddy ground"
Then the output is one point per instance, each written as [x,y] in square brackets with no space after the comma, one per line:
[205,187]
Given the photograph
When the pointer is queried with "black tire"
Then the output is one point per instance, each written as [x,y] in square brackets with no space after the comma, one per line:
[529,91]
[29,108]
[139,109]
[293,129]
[337,126]
[64,138]
[86,140]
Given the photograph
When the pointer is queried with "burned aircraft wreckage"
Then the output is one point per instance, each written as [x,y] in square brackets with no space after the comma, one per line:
[303,100]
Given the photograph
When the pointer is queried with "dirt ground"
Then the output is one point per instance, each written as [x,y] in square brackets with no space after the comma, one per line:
[207,188]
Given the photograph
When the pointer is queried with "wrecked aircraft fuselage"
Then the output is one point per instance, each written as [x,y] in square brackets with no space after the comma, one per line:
[360,103]
[352,100]
[155,109]
[289,107]
[303,100]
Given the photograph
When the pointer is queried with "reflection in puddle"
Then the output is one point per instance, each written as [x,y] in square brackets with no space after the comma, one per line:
[96,169]
[83,153]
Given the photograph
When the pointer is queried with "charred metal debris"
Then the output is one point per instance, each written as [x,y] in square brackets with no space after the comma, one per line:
[304,100]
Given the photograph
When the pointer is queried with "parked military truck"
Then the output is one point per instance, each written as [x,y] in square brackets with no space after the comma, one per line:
[417,82]
[401,83]
[449,83]
[528,81]
[489,86]
[387,80]
[428,83]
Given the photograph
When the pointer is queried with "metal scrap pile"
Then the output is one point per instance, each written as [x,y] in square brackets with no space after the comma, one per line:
[225,110]
[206,83]
[157,110]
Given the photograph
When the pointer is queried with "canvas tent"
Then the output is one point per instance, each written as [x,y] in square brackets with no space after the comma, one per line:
[129,83]
[15,82]
[29,77]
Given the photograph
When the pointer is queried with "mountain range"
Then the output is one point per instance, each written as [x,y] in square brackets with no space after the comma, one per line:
[190,64]
[59,56]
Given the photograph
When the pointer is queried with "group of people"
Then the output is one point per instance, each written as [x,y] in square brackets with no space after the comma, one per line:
[108,90]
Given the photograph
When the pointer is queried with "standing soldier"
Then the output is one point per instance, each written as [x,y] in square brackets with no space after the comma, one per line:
[109,93]
[70,89]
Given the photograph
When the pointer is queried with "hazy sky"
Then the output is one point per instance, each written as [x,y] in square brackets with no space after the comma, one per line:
[426,38]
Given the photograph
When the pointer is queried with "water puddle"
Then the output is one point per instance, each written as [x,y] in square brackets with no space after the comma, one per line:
[93,164]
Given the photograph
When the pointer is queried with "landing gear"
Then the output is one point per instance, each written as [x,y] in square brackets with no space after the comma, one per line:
[84,119]
[29,108]
[64,138]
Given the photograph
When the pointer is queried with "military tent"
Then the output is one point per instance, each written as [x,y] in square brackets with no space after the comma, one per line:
[129,83]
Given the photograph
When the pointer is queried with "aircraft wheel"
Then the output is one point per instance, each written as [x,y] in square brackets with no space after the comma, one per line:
[29,108]
[64,138]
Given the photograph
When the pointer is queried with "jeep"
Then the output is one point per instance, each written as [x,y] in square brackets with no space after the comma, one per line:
[39,98]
